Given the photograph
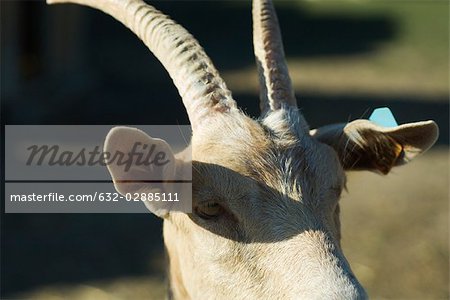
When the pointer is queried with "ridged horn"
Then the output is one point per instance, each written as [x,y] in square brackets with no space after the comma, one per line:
[202,89]
[275,83]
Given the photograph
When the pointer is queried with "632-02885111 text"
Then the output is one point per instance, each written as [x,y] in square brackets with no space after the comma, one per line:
[107,197]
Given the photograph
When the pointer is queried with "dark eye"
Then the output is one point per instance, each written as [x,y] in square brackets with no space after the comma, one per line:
[208,210]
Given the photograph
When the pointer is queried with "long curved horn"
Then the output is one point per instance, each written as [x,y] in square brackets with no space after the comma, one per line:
[202,89]
[275,83]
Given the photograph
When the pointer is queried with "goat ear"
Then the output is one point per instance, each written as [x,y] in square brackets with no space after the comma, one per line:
[363,145]
[139,163]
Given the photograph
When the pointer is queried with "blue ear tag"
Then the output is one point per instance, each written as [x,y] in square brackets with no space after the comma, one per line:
[383,117]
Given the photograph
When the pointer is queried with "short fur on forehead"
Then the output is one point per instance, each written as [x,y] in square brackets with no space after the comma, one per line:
[286,124]
[273,150]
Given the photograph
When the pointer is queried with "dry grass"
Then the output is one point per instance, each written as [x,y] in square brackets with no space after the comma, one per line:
[395,229]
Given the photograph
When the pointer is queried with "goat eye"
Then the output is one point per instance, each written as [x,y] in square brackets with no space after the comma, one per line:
[208,210]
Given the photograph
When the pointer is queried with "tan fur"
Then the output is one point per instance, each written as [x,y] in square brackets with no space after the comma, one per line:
[275,184]
[273,211]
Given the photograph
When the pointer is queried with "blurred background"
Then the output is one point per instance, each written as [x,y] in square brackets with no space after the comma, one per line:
[68,64]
